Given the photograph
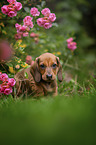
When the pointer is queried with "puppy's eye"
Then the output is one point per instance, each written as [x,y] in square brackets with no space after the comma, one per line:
[54,65]
[42,66]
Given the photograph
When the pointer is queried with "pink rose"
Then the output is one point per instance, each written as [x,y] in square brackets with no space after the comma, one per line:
[45,11]
[69,40]
[3,77]
[23,28]
[12,13]
[33,34]
[40,22]
[4,9]
[17,26]
[25,34]
[72,46]
[27,18]
[34,12]
[1,89]
[11,82]
[47,25]
[18,35]
[8,91]
[11,1]
[18,6]
[28,21]
[52,17]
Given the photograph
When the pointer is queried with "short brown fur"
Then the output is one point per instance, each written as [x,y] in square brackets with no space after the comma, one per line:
[39,81]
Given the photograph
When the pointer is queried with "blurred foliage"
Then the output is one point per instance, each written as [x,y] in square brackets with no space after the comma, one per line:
[76,17]
[72,21]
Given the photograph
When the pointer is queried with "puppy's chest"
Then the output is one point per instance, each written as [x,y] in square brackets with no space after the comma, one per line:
[48,87]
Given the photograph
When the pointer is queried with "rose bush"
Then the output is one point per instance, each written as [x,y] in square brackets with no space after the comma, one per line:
[32,38]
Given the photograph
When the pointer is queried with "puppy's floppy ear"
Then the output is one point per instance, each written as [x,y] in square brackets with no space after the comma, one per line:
[35,71]
[59,73]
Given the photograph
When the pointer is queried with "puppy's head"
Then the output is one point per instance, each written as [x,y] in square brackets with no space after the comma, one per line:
[46,66]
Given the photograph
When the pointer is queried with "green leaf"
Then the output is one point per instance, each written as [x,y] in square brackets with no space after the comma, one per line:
[43,3]
[27,9]
[55,24]
[9,64]
[26,75]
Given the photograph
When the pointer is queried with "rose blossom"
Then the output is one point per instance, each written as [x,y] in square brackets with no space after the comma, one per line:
[1,89]
[28,21]
[47,25]
[27,18]
[17,26]
[45,11]
[4,9]
[11,1]
[69,40]
[33,34]
[3,77]
[7,91]
[72,45]
[11,82]
[12,13]
[25,34]
[18,6]
[23,28]
[18,35]
[40,22]
[34,12]
[52,17]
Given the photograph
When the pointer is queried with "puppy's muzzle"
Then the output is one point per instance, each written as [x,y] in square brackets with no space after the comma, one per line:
[49,76]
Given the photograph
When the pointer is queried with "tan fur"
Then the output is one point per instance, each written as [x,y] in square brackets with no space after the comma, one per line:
[37,84]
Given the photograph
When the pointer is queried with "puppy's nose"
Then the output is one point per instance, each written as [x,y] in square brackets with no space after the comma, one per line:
[49,76]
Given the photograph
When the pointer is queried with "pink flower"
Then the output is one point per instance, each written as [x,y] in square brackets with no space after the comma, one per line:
[45,11]
[0,73]
[27,18]
[4,9]
[1,89]
[40,22]
[28,21]
[11,82]
[52,17]
[72,45]
[18,6]
[8,91]
[11,1]
[23,28]
[25,34]
[33,34]
[12,13]
[47,25]
[69,40]
[34,12]
[3,77]
[17,26]
[18,35]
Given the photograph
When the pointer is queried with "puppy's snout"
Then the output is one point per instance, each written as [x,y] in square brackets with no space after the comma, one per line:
[49,76]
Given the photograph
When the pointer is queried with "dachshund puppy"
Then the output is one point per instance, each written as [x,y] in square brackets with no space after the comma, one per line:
[41,76]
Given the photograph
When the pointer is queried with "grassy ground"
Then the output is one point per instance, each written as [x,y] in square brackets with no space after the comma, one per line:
[69,118]
[65,119]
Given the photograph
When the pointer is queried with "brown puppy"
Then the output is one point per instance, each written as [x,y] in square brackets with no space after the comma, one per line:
[41,76]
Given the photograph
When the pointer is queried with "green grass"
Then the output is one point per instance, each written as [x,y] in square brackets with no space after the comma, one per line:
[60,120]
